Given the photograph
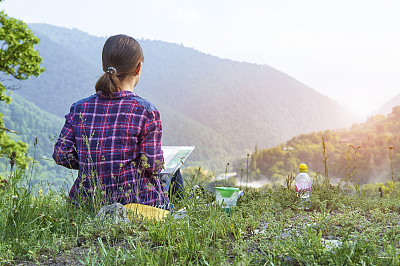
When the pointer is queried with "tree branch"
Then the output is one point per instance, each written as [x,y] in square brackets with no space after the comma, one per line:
[10,130]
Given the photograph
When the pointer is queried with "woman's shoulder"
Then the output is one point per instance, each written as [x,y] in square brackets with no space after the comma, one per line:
[76,105]
[81,101]
[149,106]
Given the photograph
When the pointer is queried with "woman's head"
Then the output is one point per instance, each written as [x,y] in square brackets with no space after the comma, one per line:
[122,57]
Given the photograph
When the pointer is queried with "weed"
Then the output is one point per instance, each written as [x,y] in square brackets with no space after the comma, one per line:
[247,171]
[266,228]
[289,180]
[391,164]
[226,171]
[326,175]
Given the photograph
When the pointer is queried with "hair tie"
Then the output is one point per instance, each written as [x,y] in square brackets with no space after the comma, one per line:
[111,70]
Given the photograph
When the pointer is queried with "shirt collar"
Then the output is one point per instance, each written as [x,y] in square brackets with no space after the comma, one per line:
[116,95]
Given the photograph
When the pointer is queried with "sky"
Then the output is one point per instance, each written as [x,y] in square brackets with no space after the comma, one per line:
[348,50]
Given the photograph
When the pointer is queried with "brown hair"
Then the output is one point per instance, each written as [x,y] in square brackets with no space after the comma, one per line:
[121,56]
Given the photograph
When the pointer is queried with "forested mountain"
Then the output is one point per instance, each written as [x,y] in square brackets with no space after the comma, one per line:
[32,122]
[223,107]
[365,151]
[38,128]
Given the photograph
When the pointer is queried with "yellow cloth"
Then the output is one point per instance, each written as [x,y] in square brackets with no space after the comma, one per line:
[145,211]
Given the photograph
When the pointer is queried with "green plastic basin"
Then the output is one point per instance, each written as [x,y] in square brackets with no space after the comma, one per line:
[226,192]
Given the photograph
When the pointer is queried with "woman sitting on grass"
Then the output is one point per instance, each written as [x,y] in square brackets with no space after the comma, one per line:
[114,137]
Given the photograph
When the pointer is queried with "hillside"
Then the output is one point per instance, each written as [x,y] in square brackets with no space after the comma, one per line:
[386,108]
[34,123]
[221,106]
[38,128]
[367,159]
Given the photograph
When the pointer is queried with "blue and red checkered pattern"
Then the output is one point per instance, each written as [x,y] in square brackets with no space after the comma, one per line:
[115,143]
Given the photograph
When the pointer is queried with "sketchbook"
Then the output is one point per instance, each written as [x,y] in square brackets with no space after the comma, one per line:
[174,156]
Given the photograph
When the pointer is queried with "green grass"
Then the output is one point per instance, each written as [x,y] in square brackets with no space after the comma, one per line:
[266,228]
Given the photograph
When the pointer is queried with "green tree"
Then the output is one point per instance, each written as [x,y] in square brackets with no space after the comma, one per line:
[18,61]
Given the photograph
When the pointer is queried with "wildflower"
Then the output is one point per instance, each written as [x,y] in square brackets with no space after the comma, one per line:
[380,192]
[144,160]
[14,197]
[12,159]
[3,182]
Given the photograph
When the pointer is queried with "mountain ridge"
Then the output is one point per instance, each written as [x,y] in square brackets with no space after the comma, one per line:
[387,107]
[213,103]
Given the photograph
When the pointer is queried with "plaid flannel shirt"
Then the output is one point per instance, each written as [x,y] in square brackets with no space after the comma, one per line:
[115,143]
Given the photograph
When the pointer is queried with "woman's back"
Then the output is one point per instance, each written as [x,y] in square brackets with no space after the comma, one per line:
[114,136]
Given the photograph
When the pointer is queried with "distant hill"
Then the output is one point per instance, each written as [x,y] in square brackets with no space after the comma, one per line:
[33,122]
[388,106]
[38,128]
[223,107]
[368,157]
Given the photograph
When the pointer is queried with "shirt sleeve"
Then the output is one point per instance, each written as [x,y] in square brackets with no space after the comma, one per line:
[150,148]
[65,153]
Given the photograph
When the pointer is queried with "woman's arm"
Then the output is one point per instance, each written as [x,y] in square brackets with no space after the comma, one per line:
[152,155]
[65,153]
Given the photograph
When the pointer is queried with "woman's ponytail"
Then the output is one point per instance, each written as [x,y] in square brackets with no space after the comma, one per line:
[109,83]
[121,55]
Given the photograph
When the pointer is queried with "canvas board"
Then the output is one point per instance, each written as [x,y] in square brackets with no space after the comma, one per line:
[174,156]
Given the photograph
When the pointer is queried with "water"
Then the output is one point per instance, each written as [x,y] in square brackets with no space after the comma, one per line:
[303,190]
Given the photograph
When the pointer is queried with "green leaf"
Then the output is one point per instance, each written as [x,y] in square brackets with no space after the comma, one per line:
[20,60]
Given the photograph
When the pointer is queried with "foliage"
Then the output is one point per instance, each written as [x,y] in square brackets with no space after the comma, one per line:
[367,152]
[8,146]
[267,227]
[38,128]
[19,60]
